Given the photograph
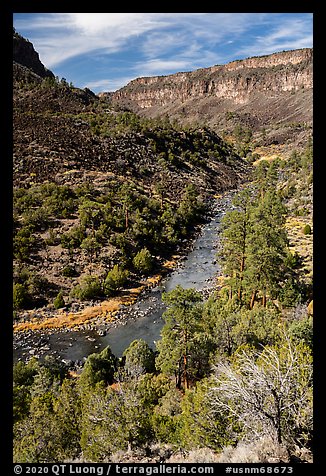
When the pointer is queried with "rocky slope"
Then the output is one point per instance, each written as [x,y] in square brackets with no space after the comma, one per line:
[54,139]
[72,151]
[268,93]
[60,131]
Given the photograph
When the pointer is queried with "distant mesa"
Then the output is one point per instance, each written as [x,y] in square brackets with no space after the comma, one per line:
[237,80]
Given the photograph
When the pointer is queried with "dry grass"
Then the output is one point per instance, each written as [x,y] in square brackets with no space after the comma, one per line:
[268,158]
[264,450]
[171,264]
[269,152]
[301,243]
[201,455]
[106,310]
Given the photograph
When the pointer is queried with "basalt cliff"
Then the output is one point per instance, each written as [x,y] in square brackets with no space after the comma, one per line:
[270,94]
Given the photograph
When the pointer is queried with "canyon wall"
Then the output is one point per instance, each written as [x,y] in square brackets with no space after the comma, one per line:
[238,81]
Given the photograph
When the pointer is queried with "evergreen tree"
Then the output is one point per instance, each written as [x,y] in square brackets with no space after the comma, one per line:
[99,368]
[91,246]
[235,232]
[89,288]
[114,419]
[59,301]
[23,379]
[115,279]
[178,346]
[197,427]
[254,243]
[143,261]
[220,316]
[91,214]
[21,296]
[58,439]
[267,248]
[68,413]
[34,441]
[127,200]
[166,417]
[139,358]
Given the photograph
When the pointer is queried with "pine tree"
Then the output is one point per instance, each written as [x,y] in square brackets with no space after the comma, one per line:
[99,368]
[143,261]
[235,232]
[139,358]
[267,248]
[253,250]
[114,418]
[177,348]
[197,427]
[91,214]
[115,279]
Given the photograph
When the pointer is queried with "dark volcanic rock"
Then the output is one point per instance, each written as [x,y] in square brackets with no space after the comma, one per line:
[24,54]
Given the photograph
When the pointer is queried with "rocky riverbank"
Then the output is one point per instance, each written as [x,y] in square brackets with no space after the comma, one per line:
[88,325]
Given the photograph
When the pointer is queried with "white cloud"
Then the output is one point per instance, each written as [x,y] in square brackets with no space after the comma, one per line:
[159,66]
[158,43]
[61,36]
[108,84]
[121,24]
[42,22]
[72,34]
[161,42]
[53,56]
[286,35]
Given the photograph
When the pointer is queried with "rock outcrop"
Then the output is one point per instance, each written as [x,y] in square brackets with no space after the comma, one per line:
[237,81]
[25,55]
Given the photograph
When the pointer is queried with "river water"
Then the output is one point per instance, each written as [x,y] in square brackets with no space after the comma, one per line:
[144,321]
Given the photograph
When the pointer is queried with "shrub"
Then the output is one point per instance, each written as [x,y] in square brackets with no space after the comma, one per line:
[23,243]
[38,218]
[21,297]
[53,239]
[69,271]
[73,238]
[89,288]
[306,230]
[262,450]
[139,357]
[143,261]
[290,293]
[279,378]
[99,368]
[114,280]
[302,330]
[59,301]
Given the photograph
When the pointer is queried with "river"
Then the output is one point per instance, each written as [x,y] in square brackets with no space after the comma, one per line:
[144,318]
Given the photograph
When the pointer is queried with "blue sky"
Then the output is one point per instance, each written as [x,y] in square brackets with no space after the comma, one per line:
[104,51]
